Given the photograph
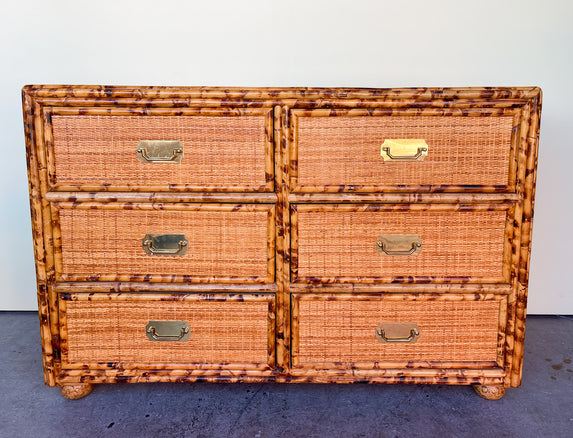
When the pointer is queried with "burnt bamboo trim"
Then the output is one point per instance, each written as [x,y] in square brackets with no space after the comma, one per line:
[402,198]
[279,229]
[144,111]
[400,364]
[530,178]
[48,146]
[452,188]
[48,242]
[163,206]
[163,197]
[508,244]
[410,288]
[402,208]
[94,92]
[182,189]
[500,361]
[317,103]
[516,244]
[397,296]
[36,214]
[412,112]
[189,297]
[514,149]
[437,377]
[179,288]
[283,313]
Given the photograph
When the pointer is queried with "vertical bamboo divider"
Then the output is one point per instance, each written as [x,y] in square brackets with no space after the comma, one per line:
[281,348]
[285,279]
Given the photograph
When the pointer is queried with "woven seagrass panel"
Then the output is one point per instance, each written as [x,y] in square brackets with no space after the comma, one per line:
[221,243]
[345,150]
[220,332]
[343,331]
[223,151]
[454,243]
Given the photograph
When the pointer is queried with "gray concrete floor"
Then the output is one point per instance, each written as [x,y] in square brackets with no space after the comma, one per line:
[541,407]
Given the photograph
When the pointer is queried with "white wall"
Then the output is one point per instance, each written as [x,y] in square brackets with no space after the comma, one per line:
[294,43]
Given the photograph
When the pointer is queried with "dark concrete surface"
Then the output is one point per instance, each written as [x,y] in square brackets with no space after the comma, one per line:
[541,407]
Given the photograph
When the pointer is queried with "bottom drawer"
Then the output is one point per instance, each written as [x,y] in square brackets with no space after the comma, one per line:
[398,330]
[167,331]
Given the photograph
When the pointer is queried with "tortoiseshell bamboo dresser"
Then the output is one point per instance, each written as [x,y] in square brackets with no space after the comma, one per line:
[282,234]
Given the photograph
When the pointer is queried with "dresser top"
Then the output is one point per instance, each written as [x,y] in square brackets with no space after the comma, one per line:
[95,92]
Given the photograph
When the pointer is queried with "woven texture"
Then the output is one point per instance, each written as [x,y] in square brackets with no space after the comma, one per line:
[218,150]
[221,332]
[221,243]
[343,331]
[346,150]
[454,243]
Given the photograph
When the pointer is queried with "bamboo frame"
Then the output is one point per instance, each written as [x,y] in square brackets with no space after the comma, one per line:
[278,193]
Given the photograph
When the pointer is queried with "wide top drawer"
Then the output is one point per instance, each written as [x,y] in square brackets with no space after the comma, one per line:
[373,150]
[220,149]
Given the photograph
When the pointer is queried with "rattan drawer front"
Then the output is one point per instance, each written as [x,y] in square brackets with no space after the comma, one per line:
[226,243]
[338,243]
[105,329]
[221,150]
[453,330]
[341,150]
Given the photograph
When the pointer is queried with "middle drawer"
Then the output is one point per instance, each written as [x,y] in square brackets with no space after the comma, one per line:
[164,242]
[401,243]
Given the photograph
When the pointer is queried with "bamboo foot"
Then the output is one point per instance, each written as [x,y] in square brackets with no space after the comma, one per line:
[74,392]
[490,392]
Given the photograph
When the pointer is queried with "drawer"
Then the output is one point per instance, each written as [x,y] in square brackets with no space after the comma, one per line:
[200,149]
[341,150]
[170,331]
[164,242]
[391,330]
[401,243]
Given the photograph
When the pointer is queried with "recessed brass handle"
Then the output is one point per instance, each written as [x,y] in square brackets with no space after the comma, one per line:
[165,244]
[404,149]
[162,151]
[170,330]
[398,332]
[399,244]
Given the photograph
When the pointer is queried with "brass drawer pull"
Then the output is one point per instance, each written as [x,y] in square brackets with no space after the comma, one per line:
[398,332]
[393,244]
[170,330]
[152,151]
[165,244]
[410,150]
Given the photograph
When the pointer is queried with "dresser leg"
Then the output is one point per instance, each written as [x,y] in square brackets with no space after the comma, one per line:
[490,392]
[74,392]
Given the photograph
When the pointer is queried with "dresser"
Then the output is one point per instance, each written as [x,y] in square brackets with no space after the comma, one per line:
[282,234]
